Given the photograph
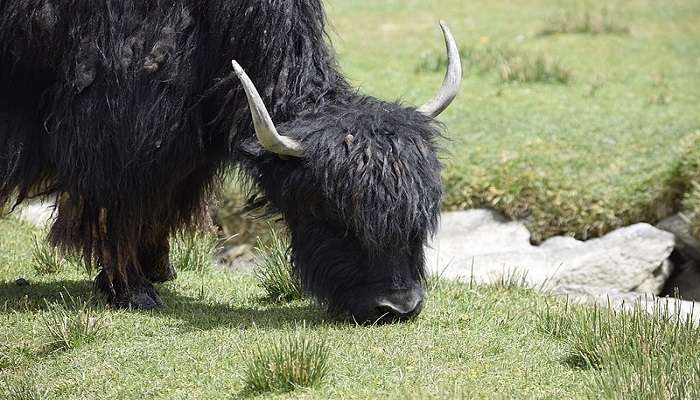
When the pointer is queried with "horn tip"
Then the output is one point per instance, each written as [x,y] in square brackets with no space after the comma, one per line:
[237,68]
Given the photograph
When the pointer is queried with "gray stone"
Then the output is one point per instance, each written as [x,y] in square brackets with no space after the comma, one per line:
[685,282]
[679,226]
[36,212]
[629,301]
[482,246]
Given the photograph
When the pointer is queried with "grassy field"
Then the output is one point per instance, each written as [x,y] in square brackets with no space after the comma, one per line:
[221,337]
[573,115]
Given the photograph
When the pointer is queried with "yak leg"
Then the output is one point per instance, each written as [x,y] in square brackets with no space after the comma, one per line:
[155,261]
[121,278]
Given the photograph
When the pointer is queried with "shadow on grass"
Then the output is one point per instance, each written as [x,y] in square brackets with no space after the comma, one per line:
[198,314]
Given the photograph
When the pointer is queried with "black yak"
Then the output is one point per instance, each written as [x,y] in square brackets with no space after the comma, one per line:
[128,112]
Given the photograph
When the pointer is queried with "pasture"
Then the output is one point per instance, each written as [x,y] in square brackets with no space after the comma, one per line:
[501,341]
[576,116]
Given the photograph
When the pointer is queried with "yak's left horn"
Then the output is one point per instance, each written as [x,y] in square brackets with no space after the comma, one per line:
[453,77]
[264,127]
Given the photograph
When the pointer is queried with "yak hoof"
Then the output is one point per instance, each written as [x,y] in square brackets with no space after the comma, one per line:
[144,297]
[139,296]
[165,274]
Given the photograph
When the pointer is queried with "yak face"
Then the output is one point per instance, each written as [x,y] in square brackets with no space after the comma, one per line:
[361,205]
[358,182]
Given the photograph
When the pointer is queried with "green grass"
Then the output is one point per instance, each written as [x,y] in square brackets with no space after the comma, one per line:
[193,251]
[636,355]
[274,272]
[286,364]
[72,323]
[581,158]
[219,338]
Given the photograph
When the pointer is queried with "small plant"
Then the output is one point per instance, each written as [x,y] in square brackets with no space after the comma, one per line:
[584,21]
[71,323]
[194,251]
[23,388]
[285,364]
[46,260]
[274,271]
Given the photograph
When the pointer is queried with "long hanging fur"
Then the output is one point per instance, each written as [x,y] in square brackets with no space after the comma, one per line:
[127,111]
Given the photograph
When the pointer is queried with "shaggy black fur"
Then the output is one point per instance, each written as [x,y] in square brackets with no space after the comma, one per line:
[128,111]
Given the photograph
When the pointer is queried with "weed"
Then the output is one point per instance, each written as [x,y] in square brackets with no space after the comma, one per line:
[584,21]
[193,251]
[71,323]
[274,271]
[285,364]
[46,259]
[633,353]
[512,65]
[22,388]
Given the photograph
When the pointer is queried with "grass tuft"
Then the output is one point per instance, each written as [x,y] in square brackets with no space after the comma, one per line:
[71,323]
[22,388]
[584,21]
[46,260]
[193,251]
[274,271]
[638,354]
[512,65]
[511,280]
[287,363]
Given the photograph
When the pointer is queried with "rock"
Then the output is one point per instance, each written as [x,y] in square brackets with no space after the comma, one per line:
[684,282]
[679,226]
[629,301]
[36,212]
[482,246]
[21,282]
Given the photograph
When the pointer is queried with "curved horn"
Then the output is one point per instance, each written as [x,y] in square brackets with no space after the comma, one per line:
[264,127]
[453,77]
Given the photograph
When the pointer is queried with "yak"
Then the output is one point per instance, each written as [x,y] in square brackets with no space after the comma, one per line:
[128,113]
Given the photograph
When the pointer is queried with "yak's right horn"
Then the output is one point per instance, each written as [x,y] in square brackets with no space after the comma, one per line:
[264,127]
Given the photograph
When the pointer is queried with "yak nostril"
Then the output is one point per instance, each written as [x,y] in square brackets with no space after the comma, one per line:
[402,304]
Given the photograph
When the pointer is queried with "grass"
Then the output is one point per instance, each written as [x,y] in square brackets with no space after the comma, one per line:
[274,271]
[22,388]
[580,158]
[509,64]
[287,363]
[193,251]
[72,323]
[46,259]
[585,20]
[636,355]
[217,338]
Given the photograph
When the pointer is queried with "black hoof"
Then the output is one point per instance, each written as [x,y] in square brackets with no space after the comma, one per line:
[164,274]
[144,297]
[139,296]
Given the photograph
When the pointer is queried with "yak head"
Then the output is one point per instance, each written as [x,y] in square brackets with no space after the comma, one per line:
[358,183]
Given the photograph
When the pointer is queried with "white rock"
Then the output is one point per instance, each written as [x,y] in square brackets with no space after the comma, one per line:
[629,301]
[482,246]
[36,212]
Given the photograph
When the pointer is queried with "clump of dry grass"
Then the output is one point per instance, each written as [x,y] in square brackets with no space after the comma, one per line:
[511,64]
[585,21]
